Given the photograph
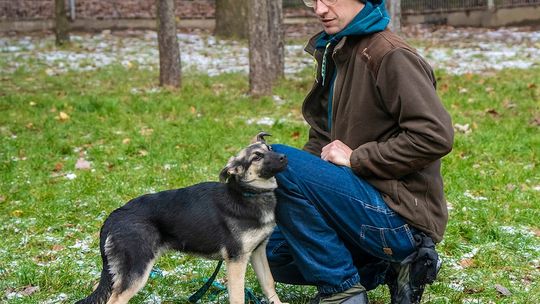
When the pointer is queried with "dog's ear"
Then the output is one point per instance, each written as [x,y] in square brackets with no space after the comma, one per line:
[233,167]
[260,137]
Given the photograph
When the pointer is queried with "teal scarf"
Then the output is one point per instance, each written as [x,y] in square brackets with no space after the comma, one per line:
[371,19]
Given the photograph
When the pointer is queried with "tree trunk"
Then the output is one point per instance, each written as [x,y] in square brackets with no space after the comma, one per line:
[394,10]
[169,53]
[231,19]
[266,48]
[61,23]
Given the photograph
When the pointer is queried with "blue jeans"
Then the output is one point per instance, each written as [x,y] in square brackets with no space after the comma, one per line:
[334,230]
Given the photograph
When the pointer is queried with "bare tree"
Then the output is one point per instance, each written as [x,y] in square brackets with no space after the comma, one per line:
[61,28]
[169,53]
[231,19]
[266,49]
[394,9]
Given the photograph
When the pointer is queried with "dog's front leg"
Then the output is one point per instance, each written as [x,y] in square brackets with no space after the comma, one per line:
[262,270]
[236,273]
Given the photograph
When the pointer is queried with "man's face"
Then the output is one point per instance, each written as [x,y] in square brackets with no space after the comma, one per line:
[337,16]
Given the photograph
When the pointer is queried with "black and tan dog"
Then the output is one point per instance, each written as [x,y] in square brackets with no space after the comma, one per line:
[230,220]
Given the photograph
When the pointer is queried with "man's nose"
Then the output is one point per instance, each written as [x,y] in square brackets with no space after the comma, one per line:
[320,8]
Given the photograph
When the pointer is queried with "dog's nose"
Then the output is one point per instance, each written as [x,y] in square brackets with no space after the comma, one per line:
[283,158]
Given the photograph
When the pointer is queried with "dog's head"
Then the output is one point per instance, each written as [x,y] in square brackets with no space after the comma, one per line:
[255,166]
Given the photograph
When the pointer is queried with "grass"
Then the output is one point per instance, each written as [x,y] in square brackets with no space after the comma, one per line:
[139,139]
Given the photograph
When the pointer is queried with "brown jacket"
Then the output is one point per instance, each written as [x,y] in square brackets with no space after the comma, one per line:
[385,107]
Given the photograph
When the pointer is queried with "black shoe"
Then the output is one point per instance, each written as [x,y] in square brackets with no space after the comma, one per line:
[354,295]
[407,280]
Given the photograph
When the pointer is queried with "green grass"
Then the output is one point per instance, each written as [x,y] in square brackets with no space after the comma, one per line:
[145,140]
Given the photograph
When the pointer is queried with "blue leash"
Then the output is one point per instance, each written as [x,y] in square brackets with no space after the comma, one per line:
[248,293]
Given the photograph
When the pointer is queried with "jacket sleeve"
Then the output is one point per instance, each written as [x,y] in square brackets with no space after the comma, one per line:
[406,86]
[315,142]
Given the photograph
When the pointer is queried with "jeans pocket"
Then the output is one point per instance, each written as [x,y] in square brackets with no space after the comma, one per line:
[391,244]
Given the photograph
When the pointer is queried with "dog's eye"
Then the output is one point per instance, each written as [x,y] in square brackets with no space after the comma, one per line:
[258,156]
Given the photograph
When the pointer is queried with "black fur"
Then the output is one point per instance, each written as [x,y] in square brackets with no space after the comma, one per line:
[205,219]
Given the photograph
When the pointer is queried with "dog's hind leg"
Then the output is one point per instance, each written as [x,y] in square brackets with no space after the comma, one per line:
[236,273]
[130,262]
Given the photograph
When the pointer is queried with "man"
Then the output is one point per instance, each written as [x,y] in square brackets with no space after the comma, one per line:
[363,202]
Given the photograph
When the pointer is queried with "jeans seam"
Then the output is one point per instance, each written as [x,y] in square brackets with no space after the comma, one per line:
[278,246]
[350,282]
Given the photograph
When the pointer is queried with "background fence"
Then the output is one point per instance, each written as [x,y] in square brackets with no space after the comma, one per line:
[428,6]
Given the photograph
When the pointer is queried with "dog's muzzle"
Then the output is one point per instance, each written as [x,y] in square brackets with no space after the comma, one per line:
[273,164]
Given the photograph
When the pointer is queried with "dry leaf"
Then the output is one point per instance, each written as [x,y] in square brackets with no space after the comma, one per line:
[503,290]
[493,112]
[17,213]
[2,198]
[82,164]
[466,263]
[28,290]
[57,247]
[295,135]
[192,110]
[143,152]
[531,86]
[466,129]
[536,122]
[489,89]
[62,116]
[126,141]
[536,232]
[145,131]
[58,167]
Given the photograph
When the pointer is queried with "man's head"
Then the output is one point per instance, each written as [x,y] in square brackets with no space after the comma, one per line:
[335,15]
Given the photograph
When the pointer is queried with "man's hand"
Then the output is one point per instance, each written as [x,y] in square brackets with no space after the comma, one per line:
[338,153]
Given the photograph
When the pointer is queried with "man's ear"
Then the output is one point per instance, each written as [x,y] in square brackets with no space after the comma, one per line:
[233,167]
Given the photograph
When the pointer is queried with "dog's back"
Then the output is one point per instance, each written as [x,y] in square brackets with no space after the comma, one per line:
[214,220]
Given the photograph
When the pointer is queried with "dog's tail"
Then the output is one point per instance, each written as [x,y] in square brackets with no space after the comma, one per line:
[103,291]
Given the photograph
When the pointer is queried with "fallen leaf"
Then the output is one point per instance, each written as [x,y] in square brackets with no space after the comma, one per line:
[466,129]
[82,164]
[531,86]
[463,90]
[57,247]
[143,152]
[295,135]
[493,112]
[192,110]
[145,131]
[536,122]
[58,167]
[30,126]
[62,116]
[28,290]
[536,232]
[466,263]
[126,141]
[17,213]
[2,198]
[503,290]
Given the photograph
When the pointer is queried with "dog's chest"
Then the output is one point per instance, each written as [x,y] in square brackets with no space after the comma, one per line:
[252,238]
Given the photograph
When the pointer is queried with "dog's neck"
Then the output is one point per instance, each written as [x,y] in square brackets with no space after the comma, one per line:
[248,190]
